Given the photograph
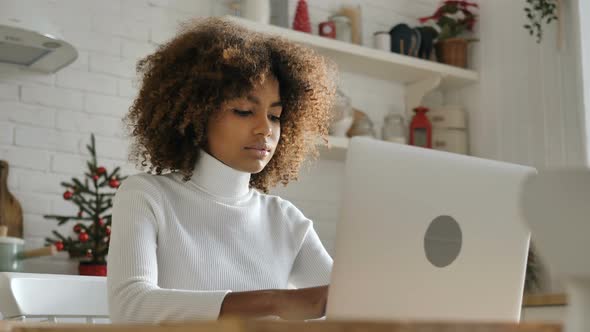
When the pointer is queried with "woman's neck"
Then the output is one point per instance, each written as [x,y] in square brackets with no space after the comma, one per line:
[218,179]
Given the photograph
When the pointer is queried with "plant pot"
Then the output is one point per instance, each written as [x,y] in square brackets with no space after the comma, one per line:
[92,269]
[452,51]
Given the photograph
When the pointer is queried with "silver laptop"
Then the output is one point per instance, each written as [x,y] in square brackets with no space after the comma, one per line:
[428,235]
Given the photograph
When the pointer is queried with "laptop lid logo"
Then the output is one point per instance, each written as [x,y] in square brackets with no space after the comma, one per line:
[442,241]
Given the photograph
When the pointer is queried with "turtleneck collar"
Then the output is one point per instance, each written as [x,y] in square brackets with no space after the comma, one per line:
[218,179]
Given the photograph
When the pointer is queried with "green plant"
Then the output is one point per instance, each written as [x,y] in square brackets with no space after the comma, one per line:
[538,13]
[453,18]
[532,281]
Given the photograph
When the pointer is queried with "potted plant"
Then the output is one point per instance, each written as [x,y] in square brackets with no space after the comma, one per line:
[93,196]
[453,19]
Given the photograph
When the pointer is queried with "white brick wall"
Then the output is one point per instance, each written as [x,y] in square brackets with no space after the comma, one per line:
[53,97]
[46,139]
[107,105]
[46,120]
[87,81]
[26,114]
[25,158]
[6,133]
[112,65]
[8,92]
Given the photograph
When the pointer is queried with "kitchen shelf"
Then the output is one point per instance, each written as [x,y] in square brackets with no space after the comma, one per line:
[372,62]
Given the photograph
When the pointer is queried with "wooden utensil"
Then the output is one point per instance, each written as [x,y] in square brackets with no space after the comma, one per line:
[11,213]
[45,251]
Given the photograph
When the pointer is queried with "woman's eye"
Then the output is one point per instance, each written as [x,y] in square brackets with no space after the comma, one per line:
[242,112]
[275,118]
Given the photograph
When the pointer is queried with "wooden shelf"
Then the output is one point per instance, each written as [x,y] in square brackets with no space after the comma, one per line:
[372,62]
[543,300]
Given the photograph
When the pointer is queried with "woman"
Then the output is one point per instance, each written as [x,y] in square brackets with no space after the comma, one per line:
[223,114]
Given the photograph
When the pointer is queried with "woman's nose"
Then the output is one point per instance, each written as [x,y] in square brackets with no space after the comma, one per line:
[263,127]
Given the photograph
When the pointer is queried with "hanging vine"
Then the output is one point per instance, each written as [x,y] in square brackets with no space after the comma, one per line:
[539,13]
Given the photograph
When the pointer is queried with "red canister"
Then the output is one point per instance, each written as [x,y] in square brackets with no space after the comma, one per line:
[327,29]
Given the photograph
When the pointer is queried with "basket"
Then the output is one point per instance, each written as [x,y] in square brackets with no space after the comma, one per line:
[452,51]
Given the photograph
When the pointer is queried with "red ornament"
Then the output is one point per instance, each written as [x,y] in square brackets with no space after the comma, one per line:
[114,183]
[89,253]
[68,194]
[100,221]
[77,228]
[108,230]
[301,20]
[95,177]
[421,129]
[101,170]
[79,214]
[59,245]
[83,237]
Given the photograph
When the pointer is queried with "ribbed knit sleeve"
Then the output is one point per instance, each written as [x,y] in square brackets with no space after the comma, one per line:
[133,292]
[313,265]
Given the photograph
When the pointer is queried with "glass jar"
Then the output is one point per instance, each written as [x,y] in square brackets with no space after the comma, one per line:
[394,128]
[343,28]
[342,115]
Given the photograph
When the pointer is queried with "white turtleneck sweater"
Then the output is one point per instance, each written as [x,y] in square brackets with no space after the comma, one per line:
[177,248]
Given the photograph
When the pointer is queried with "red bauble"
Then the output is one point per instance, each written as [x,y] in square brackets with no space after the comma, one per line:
[114,183]
[77,228]
[95,177]
[68,194]
[83,237]
[59,245]
[79,214]
[101,170]
[100,221]
[301,20]
[108,230]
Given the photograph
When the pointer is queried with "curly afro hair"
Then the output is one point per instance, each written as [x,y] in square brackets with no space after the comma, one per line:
[211,61]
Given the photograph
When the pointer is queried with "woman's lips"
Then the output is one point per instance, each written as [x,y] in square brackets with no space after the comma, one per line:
[260,153]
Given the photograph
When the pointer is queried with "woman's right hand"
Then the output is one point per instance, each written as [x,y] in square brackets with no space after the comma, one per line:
[289,304]
[303,303]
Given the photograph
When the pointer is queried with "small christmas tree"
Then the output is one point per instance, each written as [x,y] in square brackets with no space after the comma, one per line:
[301,20]
[93,221]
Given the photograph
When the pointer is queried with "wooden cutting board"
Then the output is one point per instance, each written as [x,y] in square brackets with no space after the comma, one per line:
[11,213]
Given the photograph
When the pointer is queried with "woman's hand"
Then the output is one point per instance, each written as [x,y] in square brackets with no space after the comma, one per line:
[303,303]
[290,304]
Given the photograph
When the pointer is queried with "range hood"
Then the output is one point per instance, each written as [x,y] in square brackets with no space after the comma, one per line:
[29,40]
